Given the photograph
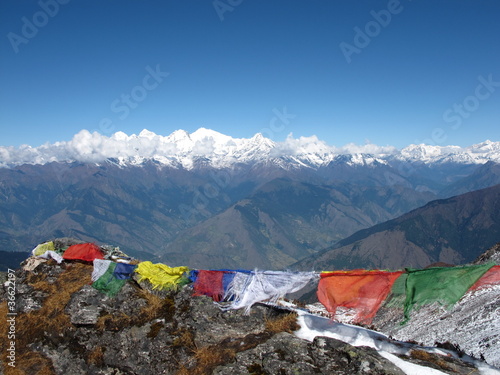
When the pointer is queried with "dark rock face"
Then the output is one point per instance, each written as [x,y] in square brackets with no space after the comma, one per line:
[68,327]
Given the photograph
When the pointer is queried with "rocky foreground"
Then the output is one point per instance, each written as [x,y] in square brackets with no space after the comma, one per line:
[65,326]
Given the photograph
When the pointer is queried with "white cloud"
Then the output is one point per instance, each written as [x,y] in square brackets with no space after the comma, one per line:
[367,148]
[204,147]
[183,147]
[302,145]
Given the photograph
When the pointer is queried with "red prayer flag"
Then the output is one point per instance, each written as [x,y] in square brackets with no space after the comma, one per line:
[361,290]
[491,277]
[209,283]
[85,251]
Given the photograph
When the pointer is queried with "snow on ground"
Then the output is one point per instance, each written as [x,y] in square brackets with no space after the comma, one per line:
[314,325]
[409,368]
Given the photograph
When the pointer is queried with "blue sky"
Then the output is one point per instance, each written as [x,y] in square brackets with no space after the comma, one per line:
[386,72]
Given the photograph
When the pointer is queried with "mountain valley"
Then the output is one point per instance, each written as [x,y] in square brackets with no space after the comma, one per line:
[207,200]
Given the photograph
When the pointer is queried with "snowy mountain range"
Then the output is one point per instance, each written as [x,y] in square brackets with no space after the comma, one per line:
[209,200]
[210,148]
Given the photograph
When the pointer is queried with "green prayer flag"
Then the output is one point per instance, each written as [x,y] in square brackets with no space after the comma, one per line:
[108,283]
[444,285]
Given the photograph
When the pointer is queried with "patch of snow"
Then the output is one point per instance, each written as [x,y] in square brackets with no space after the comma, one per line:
[408,367]
[312,326]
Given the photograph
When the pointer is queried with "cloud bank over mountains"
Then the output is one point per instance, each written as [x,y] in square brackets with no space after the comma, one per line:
[182,149]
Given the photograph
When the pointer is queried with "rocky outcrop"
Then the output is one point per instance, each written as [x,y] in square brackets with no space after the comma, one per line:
[284,353]
[65,326]
[490,255]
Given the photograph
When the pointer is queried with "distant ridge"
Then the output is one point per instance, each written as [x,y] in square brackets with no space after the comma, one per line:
[454,230]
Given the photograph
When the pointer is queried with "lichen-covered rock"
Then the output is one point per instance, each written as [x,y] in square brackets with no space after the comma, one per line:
[85,306]
[339,357]
[286,354]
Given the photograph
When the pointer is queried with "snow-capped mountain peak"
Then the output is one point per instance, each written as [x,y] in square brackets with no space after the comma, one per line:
[181,148]
[475,154]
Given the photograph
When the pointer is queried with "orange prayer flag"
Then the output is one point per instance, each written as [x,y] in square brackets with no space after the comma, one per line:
[361,290]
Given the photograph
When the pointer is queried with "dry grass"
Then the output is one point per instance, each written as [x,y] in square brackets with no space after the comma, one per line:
[50,320]
[96,356]
[183,371]
[430,357]
[113,322]
[31,363]
[185,338]
[154,305]
[284,323]
[35,277]
[209,357]
[51,317]
[206,358]
[3,312]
